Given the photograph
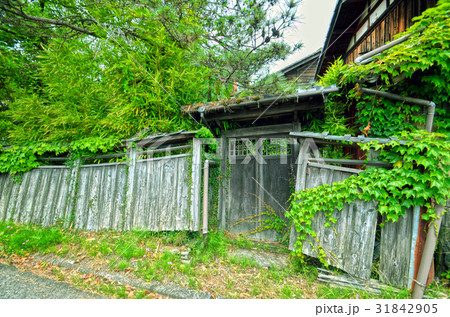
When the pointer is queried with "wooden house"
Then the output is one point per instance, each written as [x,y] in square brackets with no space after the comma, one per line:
[360,26]
[256,182]
[303,70]
[357,27]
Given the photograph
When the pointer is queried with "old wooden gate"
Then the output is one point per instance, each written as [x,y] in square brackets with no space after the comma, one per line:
[259,179]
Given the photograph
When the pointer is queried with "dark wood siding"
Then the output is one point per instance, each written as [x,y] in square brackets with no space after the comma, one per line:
[396,21]
[305,73]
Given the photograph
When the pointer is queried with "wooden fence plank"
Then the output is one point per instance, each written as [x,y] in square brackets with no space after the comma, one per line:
[395,251]
[300,184]
[196,183]
[224,183]
[349,243]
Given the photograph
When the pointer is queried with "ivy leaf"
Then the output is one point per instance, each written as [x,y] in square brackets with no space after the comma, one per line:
[398,164]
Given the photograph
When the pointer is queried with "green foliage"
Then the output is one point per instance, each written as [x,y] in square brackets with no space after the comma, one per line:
[237,38]
[178,238]
[420,177]
[152,45]
[215,180]
[287,292]
[242,242]
[302,266]
[113,69]
[267,220]
[230,275]
[91,145]
[418,67]
[21,239]
[161,267]
[335,292]
[123,265]
[84,94]
[269,84]
[204,133]
[17,159]
[243,262]
[335,111]
[215,245]
[113,91]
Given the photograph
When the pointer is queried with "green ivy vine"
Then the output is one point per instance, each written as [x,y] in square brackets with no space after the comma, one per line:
[418,67]
[19,159]
[267,220]
[420,176]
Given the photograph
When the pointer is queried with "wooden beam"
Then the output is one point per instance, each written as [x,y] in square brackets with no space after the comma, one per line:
[266,112]
[300,184]
[196,184]
[223,184]
[351,162]
[283,129]
[164,140]
[322,142]
[105,157]
[345,138]
[52,159]
[336,168]
[169,138]
[166,149]
[346,280]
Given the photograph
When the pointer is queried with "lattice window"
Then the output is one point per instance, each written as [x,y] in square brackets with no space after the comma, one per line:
[276,147]
[244,147]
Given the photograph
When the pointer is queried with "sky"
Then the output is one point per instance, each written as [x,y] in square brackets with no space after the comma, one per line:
[314,19]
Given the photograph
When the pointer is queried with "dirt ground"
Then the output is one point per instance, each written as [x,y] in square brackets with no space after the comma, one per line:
[218,279]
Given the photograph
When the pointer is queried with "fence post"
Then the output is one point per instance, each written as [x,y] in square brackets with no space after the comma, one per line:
[69,220]
[223,186]
[128,214]
[300,184]
[196,182]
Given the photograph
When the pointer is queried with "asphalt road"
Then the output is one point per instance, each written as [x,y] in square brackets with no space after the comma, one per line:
[15,284]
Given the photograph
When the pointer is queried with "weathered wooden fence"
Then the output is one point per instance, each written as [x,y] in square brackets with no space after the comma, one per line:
[155,194]
[163,193]
[349,244]
[43,196]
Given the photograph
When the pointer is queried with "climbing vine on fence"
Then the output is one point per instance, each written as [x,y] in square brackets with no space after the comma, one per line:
[420,177]
[266,220]
[20,159]
[418,67]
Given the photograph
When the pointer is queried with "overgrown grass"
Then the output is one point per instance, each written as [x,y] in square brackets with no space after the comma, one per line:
[156,256]
[215,245]
[21,239]
[163,266]
[244,262]
[334,292]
